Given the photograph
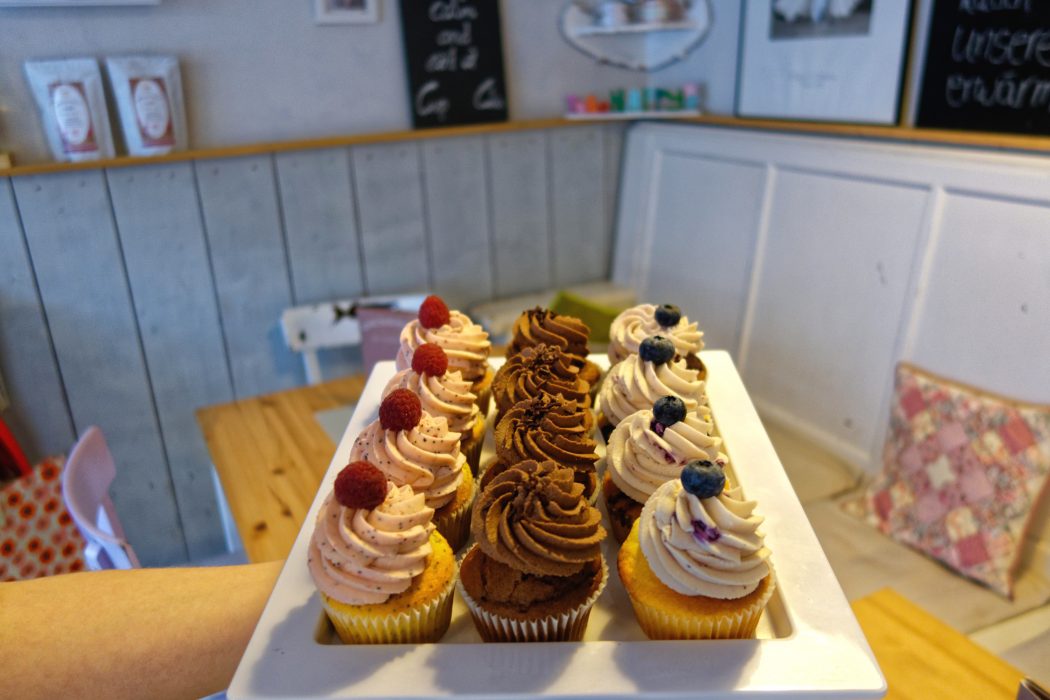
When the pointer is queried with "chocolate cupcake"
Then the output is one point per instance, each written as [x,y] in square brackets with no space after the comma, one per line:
[537,567]
[536,371]
[540,326]
[546,428]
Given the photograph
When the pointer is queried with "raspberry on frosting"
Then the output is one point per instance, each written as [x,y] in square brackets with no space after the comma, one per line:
[430,359]
[400,410]
[433,312]
[360,485]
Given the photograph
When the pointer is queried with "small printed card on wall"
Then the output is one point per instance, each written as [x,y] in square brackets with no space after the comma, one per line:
[454,54]
[987,67]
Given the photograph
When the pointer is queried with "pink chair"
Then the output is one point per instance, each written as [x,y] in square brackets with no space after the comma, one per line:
[85,489]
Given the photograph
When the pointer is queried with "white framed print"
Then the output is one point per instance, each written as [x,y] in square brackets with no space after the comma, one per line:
[346,11]
[824,60]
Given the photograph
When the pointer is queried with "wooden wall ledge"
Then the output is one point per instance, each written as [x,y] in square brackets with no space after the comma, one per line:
[1039,144]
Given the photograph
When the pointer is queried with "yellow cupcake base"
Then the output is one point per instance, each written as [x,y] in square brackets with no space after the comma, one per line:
[663,613]
[453,519]
[421,613]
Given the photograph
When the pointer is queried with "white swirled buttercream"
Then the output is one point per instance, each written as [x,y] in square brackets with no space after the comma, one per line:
[427,457]
[634,385]
[642,455]
[637,323]
[447,395]
[362,557]
[465,343]
[709,547]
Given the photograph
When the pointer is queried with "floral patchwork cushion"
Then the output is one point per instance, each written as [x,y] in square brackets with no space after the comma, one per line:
[962,472]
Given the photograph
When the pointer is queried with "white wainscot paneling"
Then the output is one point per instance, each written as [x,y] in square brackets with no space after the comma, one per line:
[829,296]
[580,242]
[458,219]
[393,229]
[984,316]
[697,241]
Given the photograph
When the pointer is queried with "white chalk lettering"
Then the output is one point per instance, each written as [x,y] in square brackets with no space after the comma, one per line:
[487,97]
[428,104]
[451,11]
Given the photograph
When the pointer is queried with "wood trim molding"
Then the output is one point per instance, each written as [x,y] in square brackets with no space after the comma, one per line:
[1014,142]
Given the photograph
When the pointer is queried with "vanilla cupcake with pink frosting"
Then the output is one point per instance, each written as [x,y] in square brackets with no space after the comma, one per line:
[443,392]
[636,383]
[384,573]
[637,323]
[412,447]
[466,343]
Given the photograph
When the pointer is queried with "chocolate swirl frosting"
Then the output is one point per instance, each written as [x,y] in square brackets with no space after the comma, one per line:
[533,518]
[546,428]
[540,326]
[536,371]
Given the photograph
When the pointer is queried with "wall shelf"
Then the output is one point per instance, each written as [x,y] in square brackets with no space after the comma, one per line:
[636,28]
[969,139]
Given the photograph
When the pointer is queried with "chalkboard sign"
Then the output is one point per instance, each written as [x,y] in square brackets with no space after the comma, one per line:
[455,61]
[988,66]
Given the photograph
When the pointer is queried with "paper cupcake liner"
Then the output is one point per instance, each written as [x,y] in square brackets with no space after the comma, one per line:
[455,525]
[566,627]
[740,624]
[427,623]
[471,449]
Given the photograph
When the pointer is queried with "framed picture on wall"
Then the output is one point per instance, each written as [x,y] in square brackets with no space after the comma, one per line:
[346,11]
[825,60]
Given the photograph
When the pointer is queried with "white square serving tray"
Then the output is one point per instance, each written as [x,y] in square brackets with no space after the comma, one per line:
[808,642]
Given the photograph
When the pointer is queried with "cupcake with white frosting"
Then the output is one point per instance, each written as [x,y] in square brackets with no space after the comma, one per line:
[648,449]
[695,565]
[637,323]
[637,382]
[412,447]
[384,573]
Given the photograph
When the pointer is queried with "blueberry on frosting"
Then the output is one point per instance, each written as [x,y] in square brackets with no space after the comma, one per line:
[668,315]
[668,410]
[703,479]
[656,349]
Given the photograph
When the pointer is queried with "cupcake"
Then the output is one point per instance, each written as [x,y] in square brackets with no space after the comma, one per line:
[537,567]
[567,333]
[694,565]
[649,448]
[412,447]
[547,428]
[384,574]
[465,342]
[444,393]
[535,371]
[637,323]
[637,382]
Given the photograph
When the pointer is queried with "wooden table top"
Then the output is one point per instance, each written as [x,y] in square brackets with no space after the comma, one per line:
[271,453]
[923,657]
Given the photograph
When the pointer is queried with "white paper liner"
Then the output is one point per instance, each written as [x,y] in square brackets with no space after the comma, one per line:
[427,623]
[455,526]
[567,627]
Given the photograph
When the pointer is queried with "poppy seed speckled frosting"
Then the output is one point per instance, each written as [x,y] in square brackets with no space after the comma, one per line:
[465,342]
[534,518]
[536,371]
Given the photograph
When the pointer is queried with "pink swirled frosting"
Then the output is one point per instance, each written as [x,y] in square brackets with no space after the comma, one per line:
[465,343]
[448,396]
[363,557]
[427,457]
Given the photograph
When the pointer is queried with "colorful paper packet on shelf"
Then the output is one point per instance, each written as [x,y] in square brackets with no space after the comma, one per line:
[685,98]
